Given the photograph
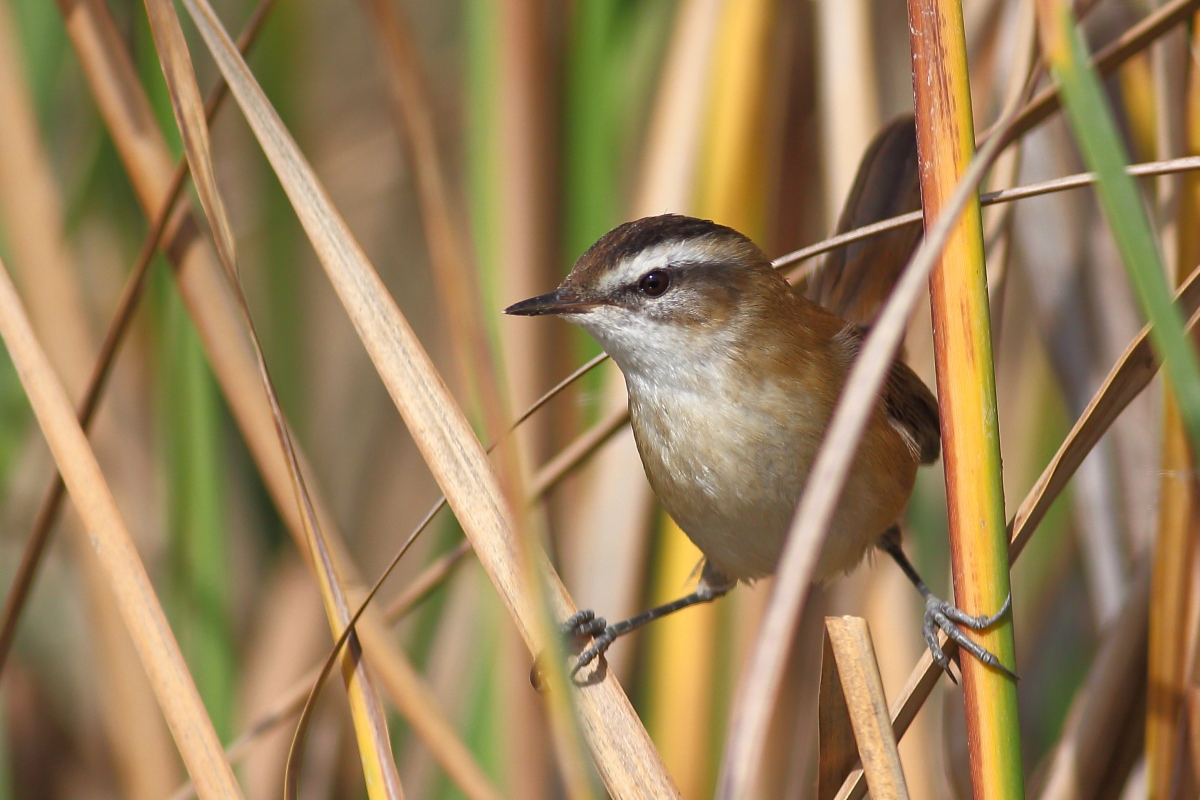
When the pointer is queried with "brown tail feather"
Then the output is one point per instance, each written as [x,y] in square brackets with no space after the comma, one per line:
[854,281]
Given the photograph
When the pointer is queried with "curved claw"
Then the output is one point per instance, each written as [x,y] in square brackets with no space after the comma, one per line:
[980,623]
[935,649]
[600,645]
[575,629]
[943,615]
[582,625]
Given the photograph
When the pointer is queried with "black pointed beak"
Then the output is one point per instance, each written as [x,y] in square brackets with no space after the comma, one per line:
[560,301]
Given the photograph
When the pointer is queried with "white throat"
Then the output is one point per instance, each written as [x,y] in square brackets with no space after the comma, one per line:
[659,356]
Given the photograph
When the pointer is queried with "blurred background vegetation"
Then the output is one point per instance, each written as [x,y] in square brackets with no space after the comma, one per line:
[555,122]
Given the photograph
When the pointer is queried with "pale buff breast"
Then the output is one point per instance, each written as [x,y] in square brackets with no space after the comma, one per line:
[729,471]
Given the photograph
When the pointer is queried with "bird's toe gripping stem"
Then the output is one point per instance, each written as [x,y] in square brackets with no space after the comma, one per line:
[941,615]
[576,630]
[584,625]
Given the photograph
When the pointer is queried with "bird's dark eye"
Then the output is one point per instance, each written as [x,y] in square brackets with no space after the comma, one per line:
[654,283]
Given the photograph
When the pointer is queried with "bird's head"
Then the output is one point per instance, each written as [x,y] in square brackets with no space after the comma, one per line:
[660,288]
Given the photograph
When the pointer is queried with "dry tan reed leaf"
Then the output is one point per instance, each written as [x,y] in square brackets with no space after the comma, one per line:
[457,288]
[1143,170]
[374,742]
[760,681]
[1128,377]
[131,294]
[143,615]
[625,758]
[837,752]
[136,736]
[212,305]
[290,702]
[852,657]
[176,65]
[1189,251]
[1133,41]
[1172,583]
[1106,706]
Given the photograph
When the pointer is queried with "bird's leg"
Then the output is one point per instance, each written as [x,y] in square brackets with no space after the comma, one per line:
[585,624]
[944,615]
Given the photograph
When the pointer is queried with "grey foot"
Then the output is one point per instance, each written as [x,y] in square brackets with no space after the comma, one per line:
[583,625]
[575,630]
[940,614]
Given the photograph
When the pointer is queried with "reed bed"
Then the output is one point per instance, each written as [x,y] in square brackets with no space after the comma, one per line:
[322,506]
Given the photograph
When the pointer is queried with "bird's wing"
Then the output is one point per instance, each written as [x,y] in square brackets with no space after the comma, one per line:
[854,281]
[907,401]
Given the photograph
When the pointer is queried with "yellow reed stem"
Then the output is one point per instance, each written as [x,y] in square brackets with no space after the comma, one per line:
[1175,543]
[966,392]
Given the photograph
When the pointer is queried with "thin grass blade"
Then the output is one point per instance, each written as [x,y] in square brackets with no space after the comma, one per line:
[143,615]
[1129,376]
[214,308]
[761,679]
[375,749]
[1095,131]
[625,758]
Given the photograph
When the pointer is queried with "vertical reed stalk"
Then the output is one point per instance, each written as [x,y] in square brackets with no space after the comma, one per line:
[1175,544]
[730,188]
[1103,150]
[966,391]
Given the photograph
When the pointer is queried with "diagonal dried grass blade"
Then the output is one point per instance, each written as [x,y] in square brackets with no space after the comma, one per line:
[143,615]
[622,751]
[211,303]
[131,294]
[457,290]
[848,642]
[760,680]
[1106,707]
[1133,41]
[374,743]
[1128,377]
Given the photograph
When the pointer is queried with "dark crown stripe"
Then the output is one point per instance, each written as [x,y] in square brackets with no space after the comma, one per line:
[631,238]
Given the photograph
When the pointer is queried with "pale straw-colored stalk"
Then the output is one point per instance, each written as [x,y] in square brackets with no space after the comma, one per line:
[623,754]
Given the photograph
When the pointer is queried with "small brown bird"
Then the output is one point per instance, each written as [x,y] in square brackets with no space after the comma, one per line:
[732,380]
